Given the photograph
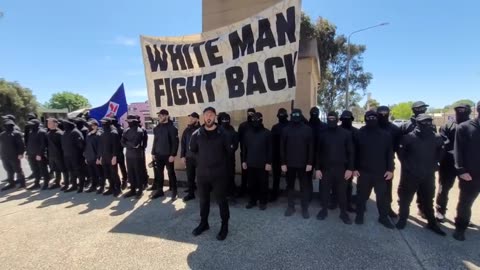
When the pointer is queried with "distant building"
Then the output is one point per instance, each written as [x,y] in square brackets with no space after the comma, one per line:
[45,113]
[143,110]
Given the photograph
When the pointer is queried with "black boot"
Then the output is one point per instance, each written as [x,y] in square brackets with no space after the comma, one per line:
[124,184]
[459,235]
[139,194]
[108,192]
[359,219]
[72,188]
[402,222]
[64,188]
[9,186]
[250,205]
[392,213]
[157,194]
[55,186]
[80,189]
[433,226]
[189,197]
[322,214]
[305,213]
[201,228]
[174,195]
[290,211]
[35,186]
[100,190]
[345,218]
[130,193]
[21,182]
[223,232]
[386,222]
[91,189]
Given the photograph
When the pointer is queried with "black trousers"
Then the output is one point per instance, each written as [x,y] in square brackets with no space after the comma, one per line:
[276,173]
[95,172]
[13,166]
[365,183]
[135,172]
[162,162]
[191,164]
[39,169]
[232,187]
[258,185]
[468,194]
[334,181]
[446,178]
[145,172]
[348,193]
[292,175]
[425,189]
[244,181]
[73,166]
[57,166]
[121,164]
[110,172]
[219,188]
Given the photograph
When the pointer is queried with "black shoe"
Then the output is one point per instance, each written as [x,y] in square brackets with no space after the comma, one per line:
[386,223]
[401,224]
[152,188]
[64,188]
[108,192]
[157,194]
[91,189]
[322,214]
[100,190]
[435,228]
[351,209]
[72,188]
[80,190]
[200,229]
[35,186]
[129,194]
[359,219]
[223,232]
[392,214]
[273,198]
[345,218]
[117,193]
[262,207]
[421,214]
[174,196]
[55,186]
[31,176]
[471,225]
[250,205]
[305,214]
[7,187]
[139,194]
[124,184]
[189,197]
[289,212]
[187,190]
[459,235]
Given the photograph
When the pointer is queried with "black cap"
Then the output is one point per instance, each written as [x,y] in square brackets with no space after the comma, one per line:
[297,111]
[332,114]
[194,115]
[282,111]
[383,109]
[462,105]
[163,112]
[31,116]
[79,120]
[314,110]
[257,116]
[210,109]
[106,120]
[34,122]
[92,121]
[423,117]
[419,104]
[133,118]
[251,110]
[9,122]
[346,114]
[9,116]
[371,113]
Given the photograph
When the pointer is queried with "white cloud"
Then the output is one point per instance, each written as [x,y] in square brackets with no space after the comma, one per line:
[126,41]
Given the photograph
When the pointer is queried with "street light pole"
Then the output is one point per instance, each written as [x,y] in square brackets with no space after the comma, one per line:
[349,58]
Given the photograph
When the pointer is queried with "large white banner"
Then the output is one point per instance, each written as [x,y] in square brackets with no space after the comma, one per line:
[247,64]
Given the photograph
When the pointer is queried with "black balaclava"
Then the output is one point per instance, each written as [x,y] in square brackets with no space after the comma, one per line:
[371,119]
[462,113]
[115,122]
[31,116]
[314,113]
[35,125]
[296,116]
[69,126]
[80,123]
[282,115]
[347,119]
[133,124]
[257,121]
[419,110]
[424,124]
[383,115]
[250,113]
[225,120]
[330,122]
[9,127]
[107,125]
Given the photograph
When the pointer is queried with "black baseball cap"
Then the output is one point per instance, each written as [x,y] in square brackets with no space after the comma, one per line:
[423,117]
[194,115]
[9,116]
[419,104]
[210,109]
[163,112]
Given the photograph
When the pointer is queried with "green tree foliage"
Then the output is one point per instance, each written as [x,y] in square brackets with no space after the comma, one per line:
[371,104]
[402,110]
[67,100]
[16,100]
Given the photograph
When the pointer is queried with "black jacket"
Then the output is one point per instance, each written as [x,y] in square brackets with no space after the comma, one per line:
[186,136]
[373,151]
[257,148]
[212,149]
[132,139]
[109,145]
[37,142]
[335,149]
[242,129]
[55,151]
[466,150]
[11,144]
[296,146]
[145,139]
[92,146]
[233,139]
[420,153]
[73,143]
[447,132]
[395,133]
[277,130]
[165,140]
[410,126]
[317,127]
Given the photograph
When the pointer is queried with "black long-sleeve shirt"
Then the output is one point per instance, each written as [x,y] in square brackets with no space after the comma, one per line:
[37,142]
[132,139]
[92,146]
[335,149]
[373,151]
[395,133]
[466,150]
[296,146]
[277,130]
[109,145]
[165,140]
[55,151]
[11,144]
[257,148]
[185,141]
[73,143]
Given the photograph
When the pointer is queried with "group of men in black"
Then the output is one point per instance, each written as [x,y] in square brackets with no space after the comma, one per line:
[301,149]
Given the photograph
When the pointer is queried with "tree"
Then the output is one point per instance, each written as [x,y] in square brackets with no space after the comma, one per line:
[371,104]
[16,100]
[67,100]
[358,113]
[402,110]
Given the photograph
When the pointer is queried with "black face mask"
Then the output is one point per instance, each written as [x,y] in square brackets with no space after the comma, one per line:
[132,124]
[249,118]
[347,122]
[332,123]
[418,111]
[107,126]
[461,117]
[256,124]
[225,123]
[383,119]
[425,127]
[282,118]
[9,128]
[371,122]
[35,127]
[68,126]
